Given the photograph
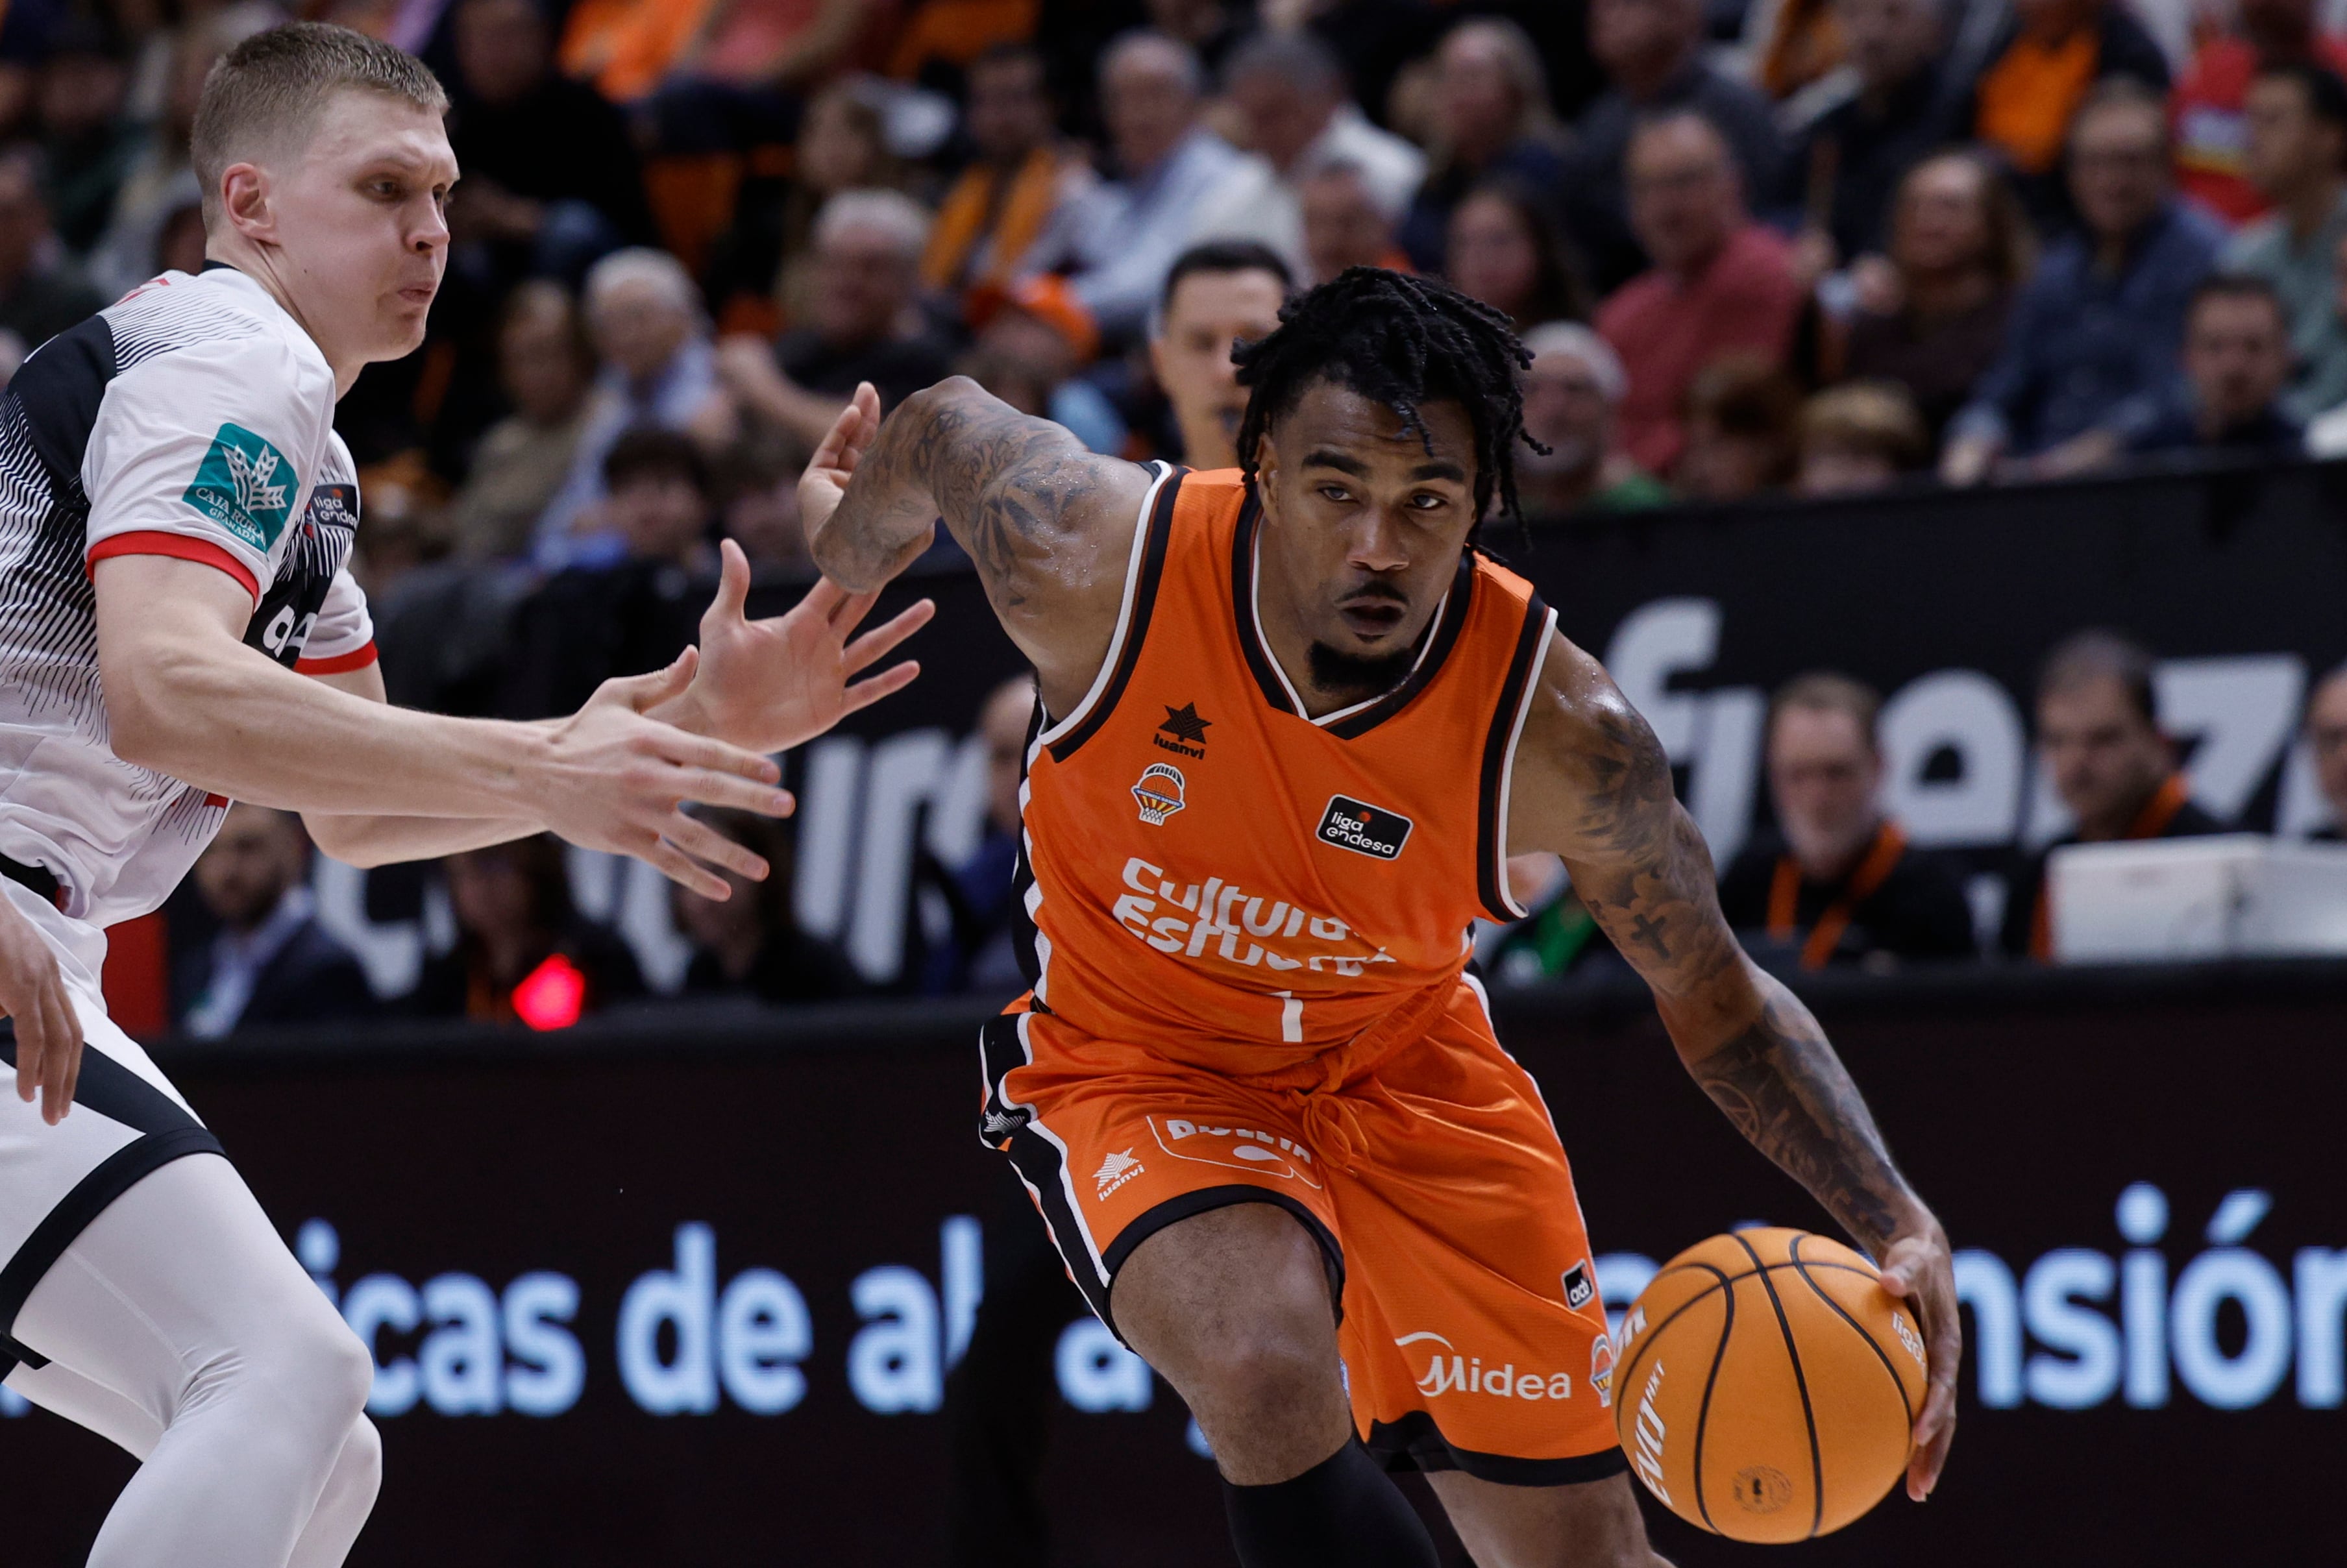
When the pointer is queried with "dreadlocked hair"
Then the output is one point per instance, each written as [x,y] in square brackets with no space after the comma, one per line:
[1404,342]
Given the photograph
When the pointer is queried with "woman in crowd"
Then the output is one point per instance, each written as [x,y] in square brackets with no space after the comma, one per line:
[523,952]
[1931,314]
[1491,117]
[1505,249]
[1743,431]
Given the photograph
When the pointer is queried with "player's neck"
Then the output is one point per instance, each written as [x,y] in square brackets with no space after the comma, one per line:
[257,265]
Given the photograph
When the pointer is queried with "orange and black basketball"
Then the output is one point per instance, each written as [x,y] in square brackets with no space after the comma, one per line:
[1766,1386]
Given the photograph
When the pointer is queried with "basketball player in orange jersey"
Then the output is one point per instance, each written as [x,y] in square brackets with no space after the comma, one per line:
[1292,725]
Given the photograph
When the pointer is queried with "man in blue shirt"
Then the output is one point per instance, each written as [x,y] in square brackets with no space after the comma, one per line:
[2091,349]
[2228,402]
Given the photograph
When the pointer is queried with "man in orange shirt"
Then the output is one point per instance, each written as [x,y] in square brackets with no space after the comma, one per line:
[1291,726]
[2039,72]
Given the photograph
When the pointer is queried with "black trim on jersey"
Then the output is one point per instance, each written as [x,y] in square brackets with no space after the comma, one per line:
[111,1090]
[1023,932]
[1258,660]
[1530,643]
[1035,1157]
[1154,543]
[39,880]
[60,388]
[1415,1441]
[1443,634]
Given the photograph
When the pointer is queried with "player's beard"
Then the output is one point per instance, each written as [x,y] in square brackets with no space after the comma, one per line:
[1343,674]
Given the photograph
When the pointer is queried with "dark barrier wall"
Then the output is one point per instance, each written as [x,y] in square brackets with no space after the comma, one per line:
[683,1293]
[1947,603]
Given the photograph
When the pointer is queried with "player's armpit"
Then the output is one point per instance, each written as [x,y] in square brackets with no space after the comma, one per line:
[1049,525]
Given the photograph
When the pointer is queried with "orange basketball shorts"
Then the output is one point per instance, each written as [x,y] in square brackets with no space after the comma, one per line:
[1470,1323]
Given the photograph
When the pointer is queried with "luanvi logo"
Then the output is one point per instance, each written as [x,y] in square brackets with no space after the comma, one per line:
[1183,730]
[1371,830]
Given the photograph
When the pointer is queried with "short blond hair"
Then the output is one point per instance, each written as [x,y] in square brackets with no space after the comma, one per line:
[270,89]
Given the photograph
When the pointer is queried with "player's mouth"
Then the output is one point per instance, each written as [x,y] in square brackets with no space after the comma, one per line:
[1372,617]
[419,293]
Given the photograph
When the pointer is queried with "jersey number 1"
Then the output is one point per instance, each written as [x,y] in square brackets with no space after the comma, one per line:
[1291,1017]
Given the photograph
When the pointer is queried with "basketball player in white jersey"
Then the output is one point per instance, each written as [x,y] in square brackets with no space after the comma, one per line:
[179,629]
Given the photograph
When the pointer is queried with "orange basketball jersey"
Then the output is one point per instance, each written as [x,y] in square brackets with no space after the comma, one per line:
[1215,876]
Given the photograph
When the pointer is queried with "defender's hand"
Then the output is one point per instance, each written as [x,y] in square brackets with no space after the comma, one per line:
[48,1032]
[616,779]
[834,464]
[768,685]
[1918,1269]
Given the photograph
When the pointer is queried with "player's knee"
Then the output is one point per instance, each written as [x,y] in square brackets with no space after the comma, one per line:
[1271,1364]
[317,1369]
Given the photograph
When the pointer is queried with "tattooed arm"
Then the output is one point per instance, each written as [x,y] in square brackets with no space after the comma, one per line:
[1591,785]
[1049,525]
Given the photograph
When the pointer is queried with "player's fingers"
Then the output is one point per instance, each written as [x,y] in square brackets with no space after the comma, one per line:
[671,862]
[705,844]
[823,599]
[699,753]
[874,644]
[864,693]
[66,1045]
[711,788]
[833,451]
[30,1038]
[641,692]
[732,584]
[867,403]
[1931,1453]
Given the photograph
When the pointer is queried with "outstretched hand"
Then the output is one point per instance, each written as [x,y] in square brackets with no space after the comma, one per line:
[825,485]
[768,685]
[1918,1270]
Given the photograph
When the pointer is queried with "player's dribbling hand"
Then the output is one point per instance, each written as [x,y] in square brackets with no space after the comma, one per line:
[770,685]
[835,462]
[617,779]
[1918,1269]
[48,1034]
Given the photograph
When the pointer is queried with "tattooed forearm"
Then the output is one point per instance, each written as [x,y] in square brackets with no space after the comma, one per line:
[1005,485]
[1781,1085]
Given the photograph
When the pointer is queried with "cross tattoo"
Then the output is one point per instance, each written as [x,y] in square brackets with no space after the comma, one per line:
[1646,929]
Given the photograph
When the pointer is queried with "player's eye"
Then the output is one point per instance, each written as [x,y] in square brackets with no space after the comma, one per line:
[1336,494]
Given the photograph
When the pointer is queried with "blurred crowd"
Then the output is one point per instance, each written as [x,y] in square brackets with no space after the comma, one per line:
[1814,247]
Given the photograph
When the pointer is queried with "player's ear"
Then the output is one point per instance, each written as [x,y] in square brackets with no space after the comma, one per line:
[1267,468]
[245,206]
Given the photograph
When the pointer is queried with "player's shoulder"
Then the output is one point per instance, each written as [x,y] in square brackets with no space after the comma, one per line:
[1580,727]
[216,325]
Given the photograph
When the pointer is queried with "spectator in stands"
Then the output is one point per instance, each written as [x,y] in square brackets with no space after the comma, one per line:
[270,962]
[41,292]
[625,48]
[1931,314]
[1791,46]
[551,181]
[546,365]
[1506,250]
[770,47]
[86,142]
[1652,53]
[1028,354]
[2046,66]
[657,368]
[1571,394]
[1216,296]
[941,38]
[1290,94]
[2099,738]
[758,504]
[2235,365]
[1860,436]
[1491,117]
[159,182]
[1846,164]
[638,603]
[523,953]
[1743,421]
[1720,285]
[863,324]
[2296,118]
[2211,104]
[983,893]
[752,945]
[2093,340]
[2326,737]
[1839,883]
[764,267]
[1217,29]
[999,210]
[1117,240]
[1344,226]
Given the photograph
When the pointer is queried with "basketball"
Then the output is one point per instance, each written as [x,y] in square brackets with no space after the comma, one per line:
[1766,1385]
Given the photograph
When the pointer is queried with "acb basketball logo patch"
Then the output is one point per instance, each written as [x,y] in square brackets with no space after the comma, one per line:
[1159,793]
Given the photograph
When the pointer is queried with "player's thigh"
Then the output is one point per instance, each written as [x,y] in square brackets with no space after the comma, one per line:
[1473,1332]
[1589,1524]
[1238,1292]
[183,1276]
[90,1405]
